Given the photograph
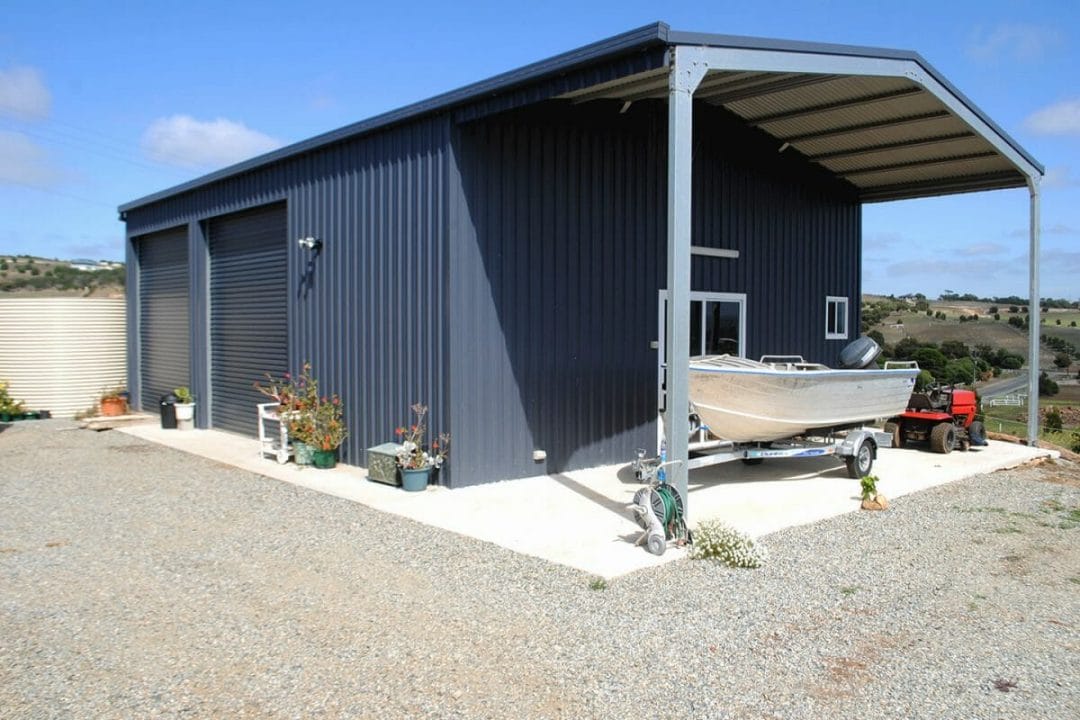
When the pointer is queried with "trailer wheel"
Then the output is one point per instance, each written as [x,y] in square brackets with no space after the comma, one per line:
[942,438]
[861,462]
[897,431]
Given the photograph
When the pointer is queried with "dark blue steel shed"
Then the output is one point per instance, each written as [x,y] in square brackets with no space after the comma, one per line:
[499,252]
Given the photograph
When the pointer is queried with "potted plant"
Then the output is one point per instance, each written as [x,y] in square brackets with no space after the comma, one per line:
[10,408]
[297,398]
[113,402]
[185,408]
[414,460]
[871,498]
[328,431]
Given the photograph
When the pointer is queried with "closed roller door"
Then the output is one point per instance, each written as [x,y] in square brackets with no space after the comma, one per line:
[163,315]
[248,311]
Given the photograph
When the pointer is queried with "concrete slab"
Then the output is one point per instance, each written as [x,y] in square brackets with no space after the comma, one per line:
[581,518]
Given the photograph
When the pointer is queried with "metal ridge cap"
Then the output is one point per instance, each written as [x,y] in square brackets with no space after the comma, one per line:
[642,37]
[745,42]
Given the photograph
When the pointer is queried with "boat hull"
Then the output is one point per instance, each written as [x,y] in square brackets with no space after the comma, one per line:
[759,402]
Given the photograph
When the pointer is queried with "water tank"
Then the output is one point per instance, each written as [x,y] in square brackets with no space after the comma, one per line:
[61,353]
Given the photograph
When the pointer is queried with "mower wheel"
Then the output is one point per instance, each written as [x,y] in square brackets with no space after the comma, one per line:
[943,437]
[897,431]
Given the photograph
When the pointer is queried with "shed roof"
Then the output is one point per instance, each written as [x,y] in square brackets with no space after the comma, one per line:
[885,120]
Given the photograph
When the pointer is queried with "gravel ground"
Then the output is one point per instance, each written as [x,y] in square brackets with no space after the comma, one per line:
[138,581]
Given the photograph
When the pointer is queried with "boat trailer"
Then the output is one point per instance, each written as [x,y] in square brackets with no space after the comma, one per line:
[658,508]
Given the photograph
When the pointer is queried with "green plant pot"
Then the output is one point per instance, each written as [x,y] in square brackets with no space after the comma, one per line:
[303,453]
[324,459]
[415,480]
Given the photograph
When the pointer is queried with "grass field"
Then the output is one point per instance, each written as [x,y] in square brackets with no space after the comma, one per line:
[1013,420]
[996,333]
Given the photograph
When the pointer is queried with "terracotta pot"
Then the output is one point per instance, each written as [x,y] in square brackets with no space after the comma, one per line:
[113,406]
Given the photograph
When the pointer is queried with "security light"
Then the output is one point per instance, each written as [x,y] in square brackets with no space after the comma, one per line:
[310,243]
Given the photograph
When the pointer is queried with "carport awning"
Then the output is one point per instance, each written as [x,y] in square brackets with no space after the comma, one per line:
[888,136]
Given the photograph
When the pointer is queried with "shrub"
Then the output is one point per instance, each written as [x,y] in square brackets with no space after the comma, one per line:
[1063,360]
[868,483]
[1053,420]
[716,541]
[1047,386]
[1075,442]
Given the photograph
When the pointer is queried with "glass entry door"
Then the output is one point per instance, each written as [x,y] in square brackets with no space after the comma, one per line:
[717,327]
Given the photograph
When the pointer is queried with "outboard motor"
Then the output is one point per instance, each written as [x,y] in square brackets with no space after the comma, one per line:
[859,354]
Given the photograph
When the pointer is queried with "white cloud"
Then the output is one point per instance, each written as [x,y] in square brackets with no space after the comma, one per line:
[182,140]
[24,163]
[1062,118]
[23,94]
[977,249]
[1012,41]
[1058,177]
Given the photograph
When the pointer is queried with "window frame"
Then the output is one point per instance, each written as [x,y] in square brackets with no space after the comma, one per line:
[832,303]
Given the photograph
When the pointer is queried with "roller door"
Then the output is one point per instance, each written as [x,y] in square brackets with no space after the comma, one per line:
[163,315]
[248,311]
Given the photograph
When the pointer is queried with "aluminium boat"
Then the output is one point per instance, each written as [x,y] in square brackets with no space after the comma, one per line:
[783,397]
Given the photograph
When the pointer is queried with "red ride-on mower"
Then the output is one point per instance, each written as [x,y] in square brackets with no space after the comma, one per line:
[944,417]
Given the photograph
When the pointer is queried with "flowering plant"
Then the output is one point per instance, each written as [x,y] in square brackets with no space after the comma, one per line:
[413,455]
[327,424]
[309,418]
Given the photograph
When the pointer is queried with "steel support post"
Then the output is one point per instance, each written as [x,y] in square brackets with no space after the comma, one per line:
[685,74]
[1034,316]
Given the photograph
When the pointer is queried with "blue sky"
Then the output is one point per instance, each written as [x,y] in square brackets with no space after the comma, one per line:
[103,103]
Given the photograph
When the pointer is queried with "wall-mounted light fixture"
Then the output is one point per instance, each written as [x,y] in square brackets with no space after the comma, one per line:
[310,243]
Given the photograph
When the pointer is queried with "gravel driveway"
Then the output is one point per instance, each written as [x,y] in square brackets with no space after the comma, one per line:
[138,581]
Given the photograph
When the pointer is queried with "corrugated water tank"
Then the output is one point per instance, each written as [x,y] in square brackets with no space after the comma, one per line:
[60,353]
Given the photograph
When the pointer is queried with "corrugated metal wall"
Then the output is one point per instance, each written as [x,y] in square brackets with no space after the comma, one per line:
[60,353]
[248,312]
[554,275]
[557,255]
[797,229]
[164,327]
[369,310]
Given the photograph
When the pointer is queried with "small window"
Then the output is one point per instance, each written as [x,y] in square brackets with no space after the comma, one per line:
[836,318]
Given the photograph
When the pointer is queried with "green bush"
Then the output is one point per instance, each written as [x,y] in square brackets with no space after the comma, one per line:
[1053,420]
[716,541]
[868,483]
[1047,386]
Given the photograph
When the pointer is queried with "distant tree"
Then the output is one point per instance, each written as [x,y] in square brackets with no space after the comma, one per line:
[954,349]
[1072,324]
[1014,309]
[929,313]
[931,359]
[1016,321]
[1024,309]
[877,337]
[1063,359]
[921,306]
[924,380]
[1057,321]
[992,309]
[906,348]
[997,316]
[1047,387]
